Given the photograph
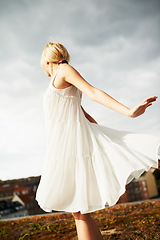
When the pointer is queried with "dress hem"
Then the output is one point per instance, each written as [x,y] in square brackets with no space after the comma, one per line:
[121,192]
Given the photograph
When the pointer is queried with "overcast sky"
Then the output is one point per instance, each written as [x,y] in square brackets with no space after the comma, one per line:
[114,44]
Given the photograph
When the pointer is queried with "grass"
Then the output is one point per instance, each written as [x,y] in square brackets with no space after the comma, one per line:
[129,221]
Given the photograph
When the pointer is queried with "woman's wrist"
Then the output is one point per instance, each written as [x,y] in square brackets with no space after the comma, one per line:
[130,114]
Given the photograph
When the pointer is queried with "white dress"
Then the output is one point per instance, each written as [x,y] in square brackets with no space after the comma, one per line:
[87,165]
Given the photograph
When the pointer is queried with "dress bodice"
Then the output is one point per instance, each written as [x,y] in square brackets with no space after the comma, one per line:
[68,92]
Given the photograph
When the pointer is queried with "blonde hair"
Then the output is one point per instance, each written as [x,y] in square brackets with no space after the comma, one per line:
[54,52]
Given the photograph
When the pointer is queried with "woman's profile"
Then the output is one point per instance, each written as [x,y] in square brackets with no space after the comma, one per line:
[87,165]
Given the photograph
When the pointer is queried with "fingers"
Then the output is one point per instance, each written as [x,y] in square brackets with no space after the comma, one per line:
[146,105]
[150,99]
[150,104]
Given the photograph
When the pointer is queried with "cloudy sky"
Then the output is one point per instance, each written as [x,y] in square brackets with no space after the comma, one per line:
[114,44]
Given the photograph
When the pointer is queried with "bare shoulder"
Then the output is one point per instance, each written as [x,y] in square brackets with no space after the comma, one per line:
[67,69]
[72,76]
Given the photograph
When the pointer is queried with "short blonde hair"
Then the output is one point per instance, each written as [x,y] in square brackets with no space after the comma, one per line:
[54,52]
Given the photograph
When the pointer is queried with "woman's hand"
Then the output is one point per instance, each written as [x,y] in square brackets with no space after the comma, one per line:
[140,109]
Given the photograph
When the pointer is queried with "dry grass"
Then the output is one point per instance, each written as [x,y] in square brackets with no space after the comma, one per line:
[136,222]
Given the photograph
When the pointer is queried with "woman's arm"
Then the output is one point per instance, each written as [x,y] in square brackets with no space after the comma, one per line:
[103,98]
[69,74]
[88,116]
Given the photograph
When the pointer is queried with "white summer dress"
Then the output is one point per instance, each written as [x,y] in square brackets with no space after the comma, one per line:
[87,165]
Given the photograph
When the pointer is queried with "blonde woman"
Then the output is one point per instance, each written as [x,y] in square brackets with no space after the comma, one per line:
[87,165]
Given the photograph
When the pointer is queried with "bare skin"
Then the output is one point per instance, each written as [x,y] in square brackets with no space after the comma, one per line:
[86,227]
[67,75]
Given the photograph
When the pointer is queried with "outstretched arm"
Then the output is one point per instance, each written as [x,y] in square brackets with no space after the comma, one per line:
[108,101]
[69,74]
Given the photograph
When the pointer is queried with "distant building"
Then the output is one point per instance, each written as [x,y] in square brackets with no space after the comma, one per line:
[26,200]
[151,185]
[6,191]
[10,209]
[140,189]
[22,191]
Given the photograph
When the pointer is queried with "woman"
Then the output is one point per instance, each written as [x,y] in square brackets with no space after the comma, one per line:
[87,165]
